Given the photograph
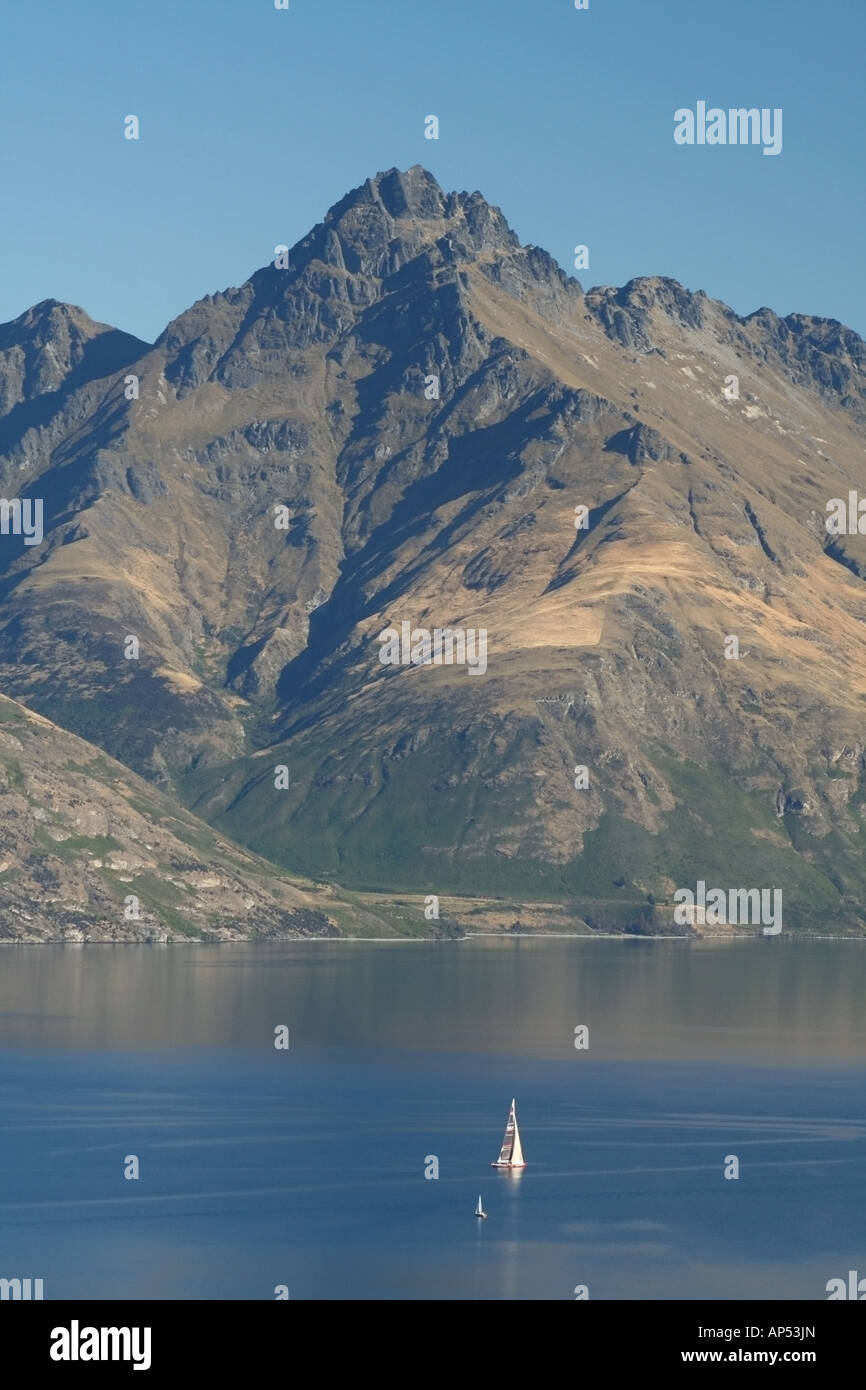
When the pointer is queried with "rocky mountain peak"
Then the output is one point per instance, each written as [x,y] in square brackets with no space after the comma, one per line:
[64,326]
[392,218]
[54,346]
[314,291]
[401,193]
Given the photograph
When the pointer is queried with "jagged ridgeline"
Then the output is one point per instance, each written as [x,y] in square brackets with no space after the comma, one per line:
[409,417]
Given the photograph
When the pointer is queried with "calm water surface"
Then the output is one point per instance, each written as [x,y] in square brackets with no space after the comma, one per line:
[306,1168]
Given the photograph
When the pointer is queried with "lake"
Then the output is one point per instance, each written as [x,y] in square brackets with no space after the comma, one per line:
[306,1167]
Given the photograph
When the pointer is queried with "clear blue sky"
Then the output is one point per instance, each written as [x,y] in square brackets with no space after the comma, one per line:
[254,121]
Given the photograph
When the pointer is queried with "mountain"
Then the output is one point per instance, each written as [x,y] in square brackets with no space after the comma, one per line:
[428,402]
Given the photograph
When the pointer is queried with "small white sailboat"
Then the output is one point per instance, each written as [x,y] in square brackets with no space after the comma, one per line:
[479,1210]
[511,1153]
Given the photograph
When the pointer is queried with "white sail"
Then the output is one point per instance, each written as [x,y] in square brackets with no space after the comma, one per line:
[516,1150]
[508,1141]
[479,1210]
[511,1153]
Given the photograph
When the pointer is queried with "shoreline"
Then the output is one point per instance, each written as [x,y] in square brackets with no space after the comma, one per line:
[448,941]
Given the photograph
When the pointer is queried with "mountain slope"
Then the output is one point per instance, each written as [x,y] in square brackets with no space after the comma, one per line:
[91,852]
[429,401]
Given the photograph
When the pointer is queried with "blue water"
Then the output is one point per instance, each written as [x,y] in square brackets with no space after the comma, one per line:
[305,1167]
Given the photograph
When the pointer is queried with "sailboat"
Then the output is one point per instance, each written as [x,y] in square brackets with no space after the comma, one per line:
[479,1210]
[511,1153]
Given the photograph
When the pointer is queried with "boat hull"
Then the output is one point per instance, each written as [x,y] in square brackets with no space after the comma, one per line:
[497,1164]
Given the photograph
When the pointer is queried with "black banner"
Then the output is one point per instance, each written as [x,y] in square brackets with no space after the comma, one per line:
[153,1339]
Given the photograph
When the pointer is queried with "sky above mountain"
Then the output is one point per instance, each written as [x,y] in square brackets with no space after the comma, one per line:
[252,120]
